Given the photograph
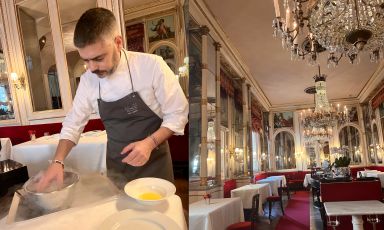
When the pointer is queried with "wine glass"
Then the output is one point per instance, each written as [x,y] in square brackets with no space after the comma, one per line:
[373,219]
[333,223]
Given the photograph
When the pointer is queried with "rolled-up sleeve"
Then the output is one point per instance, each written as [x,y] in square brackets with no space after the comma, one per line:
[78,116]
[173,103]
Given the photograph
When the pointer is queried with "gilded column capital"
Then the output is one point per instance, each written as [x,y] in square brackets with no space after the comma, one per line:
[204,30]
[217,45]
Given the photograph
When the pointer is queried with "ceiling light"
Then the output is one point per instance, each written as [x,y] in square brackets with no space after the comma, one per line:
[343,27]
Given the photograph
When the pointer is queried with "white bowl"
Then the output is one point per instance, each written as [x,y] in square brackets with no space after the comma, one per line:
[138,187]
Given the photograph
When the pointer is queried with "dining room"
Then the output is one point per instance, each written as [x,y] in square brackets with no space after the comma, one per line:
[288,89]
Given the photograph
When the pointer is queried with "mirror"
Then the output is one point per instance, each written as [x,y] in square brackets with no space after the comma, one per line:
[70,12]
[6,103]
[375,150]
[195,104]
[285,151]
[39,54]
[350,143]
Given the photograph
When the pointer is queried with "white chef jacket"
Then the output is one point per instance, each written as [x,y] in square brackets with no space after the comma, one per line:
[152,79]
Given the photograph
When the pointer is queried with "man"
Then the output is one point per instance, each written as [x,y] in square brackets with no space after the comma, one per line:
[138,98]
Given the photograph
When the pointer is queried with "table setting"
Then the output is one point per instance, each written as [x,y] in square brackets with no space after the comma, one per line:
[95,203]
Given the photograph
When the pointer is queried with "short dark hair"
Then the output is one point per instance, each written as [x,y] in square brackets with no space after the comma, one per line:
[93,25]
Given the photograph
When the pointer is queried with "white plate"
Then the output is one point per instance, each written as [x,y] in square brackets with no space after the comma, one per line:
[132,219]
[139,186]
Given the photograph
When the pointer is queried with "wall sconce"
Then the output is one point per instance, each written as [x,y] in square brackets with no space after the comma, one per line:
[263,156]
[184,69]
[18,82]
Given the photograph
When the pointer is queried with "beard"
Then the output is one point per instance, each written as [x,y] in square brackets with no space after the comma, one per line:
[108,72]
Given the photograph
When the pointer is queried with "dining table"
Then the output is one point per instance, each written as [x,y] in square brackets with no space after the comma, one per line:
[216,214]
[246,193]
[372,173]
[88,156]
[274,182]
[97,200]
[356,209]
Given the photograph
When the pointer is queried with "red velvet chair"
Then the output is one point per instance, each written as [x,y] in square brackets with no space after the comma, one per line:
[274,198]
[286,189]
[248,225]
[228,186]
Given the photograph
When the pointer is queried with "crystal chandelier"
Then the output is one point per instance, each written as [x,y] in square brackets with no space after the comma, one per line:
[318,123]
[343,27]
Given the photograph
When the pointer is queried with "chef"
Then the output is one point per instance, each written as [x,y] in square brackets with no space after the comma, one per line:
[137,96]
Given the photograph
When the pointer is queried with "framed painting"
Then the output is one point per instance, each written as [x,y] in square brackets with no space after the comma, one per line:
[161,28]
[168,54]
[284,119]
[352,114]
[135,37]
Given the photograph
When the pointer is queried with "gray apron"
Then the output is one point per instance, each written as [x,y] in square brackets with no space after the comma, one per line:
[128,120]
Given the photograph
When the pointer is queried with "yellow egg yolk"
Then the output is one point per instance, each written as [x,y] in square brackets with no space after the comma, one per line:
[150,196]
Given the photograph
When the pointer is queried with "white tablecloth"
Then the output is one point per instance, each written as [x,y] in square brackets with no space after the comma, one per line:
[6,148]
[364,172]
[274,182]
[215,216]
[91,216]
[247,192]
[88,156]
[373,173]
[307,180]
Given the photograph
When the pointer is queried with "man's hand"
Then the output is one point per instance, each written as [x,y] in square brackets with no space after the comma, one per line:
[138,152]
[54,172]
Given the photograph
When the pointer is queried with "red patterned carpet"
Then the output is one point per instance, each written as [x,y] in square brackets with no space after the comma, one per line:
[296,213]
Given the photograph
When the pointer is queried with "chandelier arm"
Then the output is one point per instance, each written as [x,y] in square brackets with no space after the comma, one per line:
[301,1]
[357,14]
[343,27]
[371,5]
[341,55]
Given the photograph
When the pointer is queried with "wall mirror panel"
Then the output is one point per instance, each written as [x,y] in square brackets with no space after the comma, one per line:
[39,54]
[350,143]
[70,12]
[6,103]
[285,151]
[374,147]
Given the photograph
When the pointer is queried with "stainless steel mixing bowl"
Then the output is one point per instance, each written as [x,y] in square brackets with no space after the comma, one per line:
[53,198]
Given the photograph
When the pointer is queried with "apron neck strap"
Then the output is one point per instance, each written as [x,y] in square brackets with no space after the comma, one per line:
[129,70]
